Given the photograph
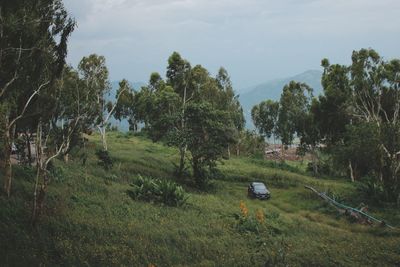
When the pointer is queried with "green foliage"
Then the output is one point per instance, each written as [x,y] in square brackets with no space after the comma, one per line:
[358,117]
[324,167]
[265,117]
[250,144]
[192,111]
[202,232]
[104,159]
[126,105]
[157,190]
[294,104]
[208,138]
[372,190]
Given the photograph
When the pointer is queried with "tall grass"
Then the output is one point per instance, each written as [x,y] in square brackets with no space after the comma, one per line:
[90,220]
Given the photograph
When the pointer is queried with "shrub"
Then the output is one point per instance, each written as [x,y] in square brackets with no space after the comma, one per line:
[260,222]
[372,190]
[105,159]
[170,193]
[325,166]
[157,190]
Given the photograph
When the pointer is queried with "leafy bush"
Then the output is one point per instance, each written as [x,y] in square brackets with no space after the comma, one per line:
[372,190]
[259,222]
[170,193]
[105,159]
[157,190]
[323,168]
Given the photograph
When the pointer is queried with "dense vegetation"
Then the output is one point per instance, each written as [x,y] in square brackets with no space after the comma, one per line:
[355,122]
[91,219]
[174,191]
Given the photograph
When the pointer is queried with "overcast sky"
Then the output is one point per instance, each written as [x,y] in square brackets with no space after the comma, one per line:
[255,40]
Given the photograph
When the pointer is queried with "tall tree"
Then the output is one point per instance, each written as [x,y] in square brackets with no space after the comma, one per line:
[227,100]
[265,117]
[363,99]
[33,47]
[294,103]
[179,75]
[126,107]
[308,130]
[94,72]
[376,99]
[209,133]
[170,107]
[61,117]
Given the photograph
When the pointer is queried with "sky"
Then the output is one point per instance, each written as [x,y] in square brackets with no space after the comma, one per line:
[255,40]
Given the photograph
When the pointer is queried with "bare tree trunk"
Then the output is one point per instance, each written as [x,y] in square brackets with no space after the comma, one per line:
[273,151]
[28,144]
[7,162]
[42,178]
[104,139]
[102,131]
[39,194]
[238,150]
[351,171]
[182,153]
[229,152]
[35,196]
[314,161]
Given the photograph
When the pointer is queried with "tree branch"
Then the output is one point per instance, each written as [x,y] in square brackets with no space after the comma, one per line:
[27,104]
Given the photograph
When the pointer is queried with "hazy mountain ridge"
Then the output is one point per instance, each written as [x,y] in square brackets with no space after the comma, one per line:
[273,89]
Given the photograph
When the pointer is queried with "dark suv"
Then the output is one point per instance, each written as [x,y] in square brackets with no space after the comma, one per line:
[258,190]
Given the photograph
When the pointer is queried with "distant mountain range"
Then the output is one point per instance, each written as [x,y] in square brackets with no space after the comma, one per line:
[273,89]
[249,97]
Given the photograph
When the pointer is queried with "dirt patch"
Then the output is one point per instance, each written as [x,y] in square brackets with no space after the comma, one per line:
[274,152]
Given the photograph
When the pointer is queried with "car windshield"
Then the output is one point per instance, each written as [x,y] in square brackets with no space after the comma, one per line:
[259,187]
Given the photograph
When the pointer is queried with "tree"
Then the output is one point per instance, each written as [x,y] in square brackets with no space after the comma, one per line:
[179,74]
[265,117]
[294,104]
[376,100]
[363,99]
[163,106]
[332,112]
[227,100]
[250,144]
[308,130]
[126,107]
[94,72]
[58,122]
[208,135]
[33,47]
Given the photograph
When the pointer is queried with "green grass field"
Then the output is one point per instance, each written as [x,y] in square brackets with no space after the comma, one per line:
[91,221]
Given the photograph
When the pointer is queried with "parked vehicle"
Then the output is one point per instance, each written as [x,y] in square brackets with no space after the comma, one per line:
[258,190]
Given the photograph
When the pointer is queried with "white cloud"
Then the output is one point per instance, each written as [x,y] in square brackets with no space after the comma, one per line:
[138,35]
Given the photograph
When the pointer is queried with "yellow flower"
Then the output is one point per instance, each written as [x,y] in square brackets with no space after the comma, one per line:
[260,216]
[244,209]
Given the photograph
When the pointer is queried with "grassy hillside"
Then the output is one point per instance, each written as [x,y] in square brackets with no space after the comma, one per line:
[91,221]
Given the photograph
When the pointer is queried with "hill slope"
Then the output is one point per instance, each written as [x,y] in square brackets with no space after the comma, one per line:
[91,221]
[273,89]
